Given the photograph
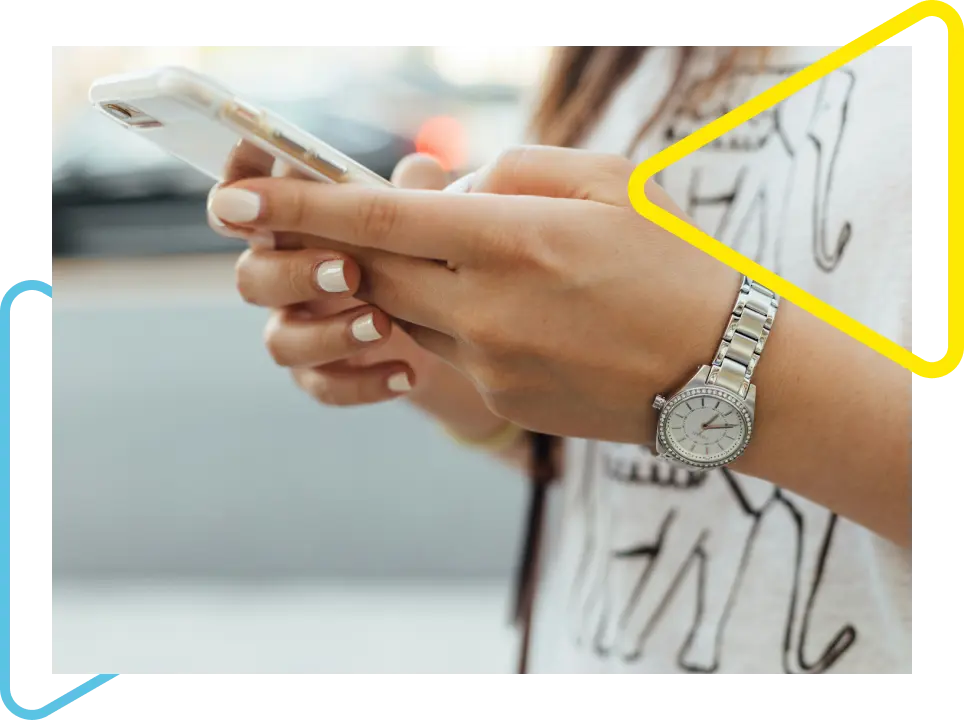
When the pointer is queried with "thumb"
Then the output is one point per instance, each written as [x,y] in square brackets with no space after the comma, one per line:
[420,172]
[557,172]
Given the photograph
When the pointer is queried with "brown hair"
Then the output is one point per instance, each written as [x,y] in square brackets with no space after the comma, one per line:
[580,82]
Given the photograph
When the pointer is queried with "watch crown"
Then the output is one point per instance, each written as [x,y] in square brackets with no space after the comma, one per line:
[659,402]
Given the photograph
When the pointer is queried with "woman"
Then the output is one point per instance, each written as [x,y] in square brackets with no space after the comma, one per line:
[532,296]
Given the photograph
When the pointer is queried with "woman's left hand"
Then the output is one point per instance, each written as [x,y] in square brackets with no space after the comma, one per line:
[568,310]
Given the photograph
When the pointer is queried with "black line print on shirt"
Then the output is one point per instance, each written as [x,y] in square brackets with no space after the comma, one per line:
[702,545]
[742,189]
[779,164]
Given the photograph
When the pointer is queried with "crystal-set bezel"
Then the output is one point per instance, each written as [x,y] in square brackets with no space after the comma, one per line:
[704,391]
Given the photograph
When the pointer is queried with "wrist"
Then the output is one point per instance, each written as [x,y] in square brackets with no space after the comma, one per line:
[505,438]
[696,341]
[709,422]
[699,339]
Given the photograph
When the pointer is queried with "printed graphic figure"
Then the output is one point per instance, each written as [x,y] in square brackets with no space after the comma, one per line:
[743,186]
[703,542]
[740,189]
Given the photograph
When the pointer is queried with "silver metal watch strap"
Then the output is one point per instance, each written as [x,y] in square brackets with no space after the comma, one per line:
[745,336]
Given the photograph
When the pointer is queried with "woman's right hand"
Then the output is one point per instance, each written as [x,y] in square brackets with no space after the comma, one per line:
[340,350]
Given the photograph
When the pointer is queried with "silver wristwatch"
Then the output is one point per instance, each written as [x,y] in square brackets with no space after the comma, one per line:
[708,423]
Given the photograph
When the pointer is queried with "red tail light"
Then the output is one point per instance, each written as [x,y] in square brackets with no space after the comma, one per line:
[444,139]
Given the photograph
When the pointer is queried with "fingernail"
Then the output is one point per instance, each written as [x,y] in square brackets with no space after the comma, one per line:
[255,238]
[215,220]
[211,216]
[235,205]
[399,383]
[330,276]
[364,330]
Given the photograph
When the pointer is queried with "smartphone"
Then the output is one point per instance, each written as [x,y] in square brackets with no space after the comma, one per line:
[200,122]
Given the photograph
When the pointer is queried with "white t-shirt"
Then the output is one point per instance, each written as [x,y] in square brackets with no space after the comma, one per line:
[651,569]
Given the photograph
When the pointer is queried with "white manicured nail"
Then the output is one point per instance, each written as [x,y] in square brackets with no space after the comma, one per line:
[235,205]
[399,383]
[364,330]
[212,218]
[255,238]
[215,220]
[330,276]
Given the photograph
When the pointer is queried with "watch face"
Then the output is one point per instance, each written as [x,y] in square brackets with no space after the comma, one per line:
[705,426]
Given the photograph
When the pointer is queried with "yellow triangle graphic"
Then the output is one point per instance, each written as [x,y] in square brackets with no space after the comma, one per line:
[776,94]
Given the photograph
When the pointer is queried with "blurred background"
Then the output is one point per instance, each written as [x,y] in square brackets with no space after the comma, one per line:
[207,516]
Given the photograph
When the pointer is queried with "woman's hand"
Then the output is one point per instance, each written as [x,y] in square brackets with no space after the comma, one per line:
[566,308]
[570,312]
[340,350]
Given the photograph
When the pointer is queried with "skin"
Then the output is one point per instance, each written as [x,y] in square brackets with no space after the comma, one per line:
[569,312]
[327,362]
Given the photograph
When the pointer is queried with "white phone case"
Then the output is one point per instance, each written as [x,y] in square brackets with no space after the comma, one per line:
[197,120]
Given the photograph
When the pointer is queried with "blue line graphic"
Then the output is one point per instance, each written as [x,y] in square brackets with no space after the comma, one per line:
[94,682]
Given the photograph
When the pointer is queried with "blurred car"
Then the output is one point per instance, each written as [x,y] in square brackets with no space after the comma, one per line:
[116,194]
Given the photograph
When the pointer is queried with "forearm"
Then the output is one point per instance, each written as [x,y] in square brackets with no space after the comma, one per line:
[833,424]
[451,399]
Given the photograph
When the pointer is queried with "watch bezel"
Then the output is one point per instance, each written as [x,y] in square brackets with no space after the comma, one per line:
[703,391]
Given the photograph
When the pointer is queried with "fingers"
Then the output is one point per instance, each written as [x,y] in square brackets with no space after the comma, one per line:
[437,343]
[413,290]
[462,185]
[278,278]
[419,172]
[452,226]
[345,386]
[244,161]
[301,340]
[256,238]
[418,291]
[441,226]
[557,172]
